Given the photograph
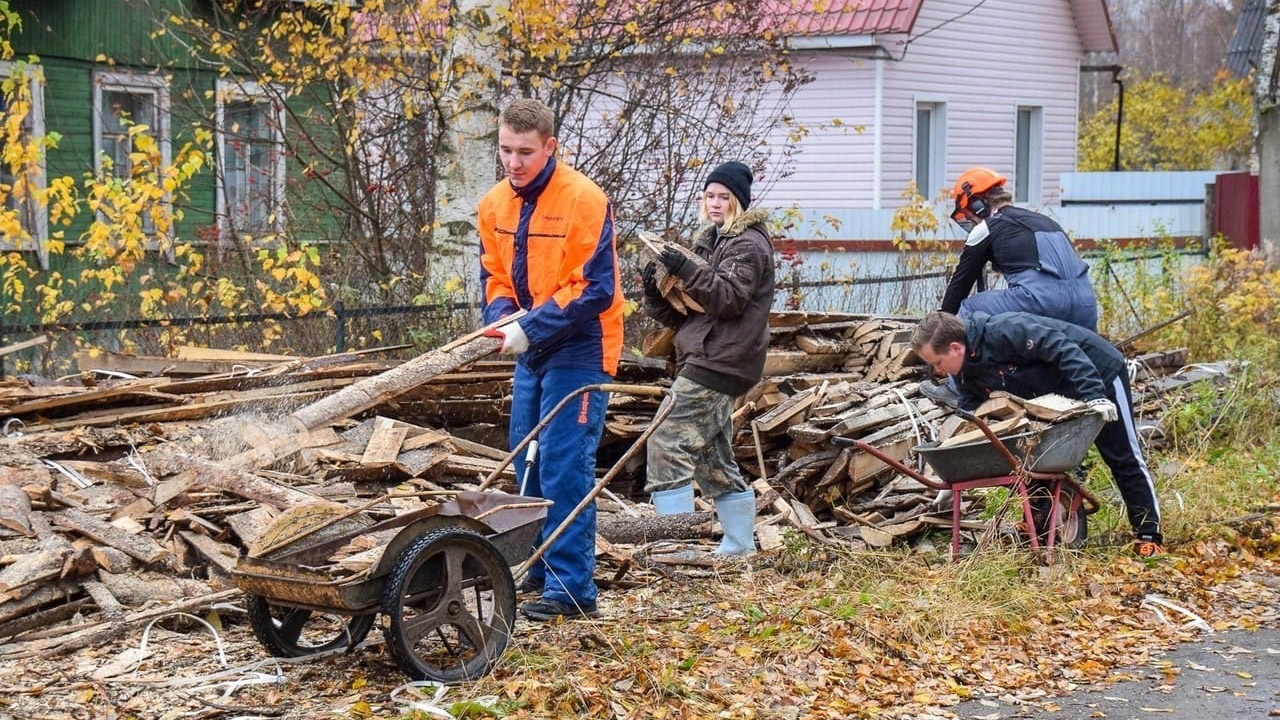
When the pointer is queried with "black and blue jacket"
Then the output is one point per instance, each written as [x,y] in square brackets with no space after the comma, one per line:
[1030,355]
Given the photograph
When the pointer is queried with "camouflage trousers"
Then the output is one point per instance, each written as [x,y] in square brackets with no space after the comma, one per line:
[694,444]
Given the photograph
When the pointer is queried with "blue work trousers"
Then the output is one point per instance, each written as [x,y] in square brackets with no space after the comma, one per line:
[563,472]
[1039,293]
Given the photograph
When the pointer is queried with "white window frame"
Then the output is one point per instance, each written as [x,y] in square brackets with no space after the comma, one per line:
[40,232]
[229,90]
[1035,154]
[937,159]
[156,85]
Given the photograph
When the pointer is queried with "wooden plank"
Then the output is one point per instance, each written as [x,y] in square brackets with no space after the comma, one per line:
[1006,427]
[477,449]
[788,362]
[789,408]
[384,446]
[43,595]
[861,419]
[25,575]
[191,352]
[220,554]
[194,411]
[239,482]
[430,438]
[416,463]
[862,465]
[249,525]
[41,339]
[88,360]
[140,547]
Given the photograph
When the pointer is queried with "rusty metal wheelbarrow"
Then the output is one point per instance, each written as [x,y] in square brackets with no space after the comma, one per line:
[443,579]
[1019,462]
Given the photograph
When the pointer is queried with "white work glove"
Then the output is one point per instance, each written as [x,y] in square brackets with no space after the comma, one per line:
[944,500]
[514,341]
[1105,408]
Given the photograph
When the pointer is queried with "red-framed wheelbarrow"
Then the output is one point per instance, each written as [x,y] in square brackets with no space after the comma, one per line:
[443,578]
[1043,459]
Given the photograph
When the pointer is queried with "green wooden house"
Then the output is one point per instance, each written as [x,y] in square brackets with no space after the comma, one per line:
[103,65]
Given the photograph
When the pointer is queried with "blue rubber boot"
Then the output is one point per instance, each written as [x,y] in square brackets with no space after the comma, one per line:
[737,512]
[674,501]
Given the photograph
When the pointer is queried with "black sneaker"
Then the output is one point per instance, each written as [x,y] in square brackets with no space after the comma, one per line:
[529,585]
[543,610]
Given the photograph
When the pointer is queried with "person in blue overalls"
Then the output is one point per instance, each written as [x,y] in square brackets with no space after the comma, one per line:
[1044,274]
[1033,253]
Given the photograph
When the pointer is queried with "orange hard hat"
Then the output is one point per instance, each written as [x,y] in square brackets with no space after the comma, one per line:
[975,181]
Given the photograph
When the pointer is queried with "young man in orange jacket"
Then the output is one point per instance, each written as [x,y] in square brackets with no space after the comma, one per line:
[547,246]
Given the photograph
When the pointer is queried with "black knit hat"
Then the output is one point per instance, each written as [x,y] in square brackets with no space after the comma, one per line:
[736,177]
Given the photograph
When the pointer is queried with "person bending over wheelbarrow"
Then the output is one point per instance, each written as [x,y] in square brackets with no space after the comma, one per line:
[1029,355]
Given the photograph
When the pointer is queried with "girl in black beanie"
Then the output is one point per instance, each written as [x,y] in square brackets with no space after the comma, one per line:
[720,353]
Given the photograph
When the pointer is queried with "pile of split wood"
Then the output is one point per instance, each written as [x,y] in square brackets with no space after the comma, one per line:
[117,490]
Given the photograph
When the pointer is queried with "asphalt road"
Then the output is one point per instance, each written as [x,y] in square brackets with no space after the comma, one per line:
[1232,674]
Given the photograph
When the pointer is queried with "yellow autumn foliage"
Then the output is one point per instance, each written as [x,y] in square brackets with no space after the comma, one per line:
[1170,127]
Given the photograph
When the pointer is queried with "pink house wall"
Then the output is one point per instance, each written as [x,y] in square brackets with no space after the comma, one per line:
[983,66]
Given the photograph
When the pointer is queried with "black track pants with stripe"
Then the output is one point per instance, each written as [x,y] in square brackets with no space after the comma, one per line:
[1118,445]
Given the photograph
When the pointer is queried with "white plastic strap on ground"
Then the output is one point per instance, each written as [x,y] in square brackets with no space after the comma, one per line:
[13,428]
[1155,602]
[113,374]
[917,420]
[217,639]
[75,477]
[433,705]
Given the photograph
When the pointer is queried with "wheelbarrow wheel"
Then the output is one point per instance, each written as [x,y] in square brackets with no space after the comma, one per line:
[1073,525]
[452,603]
[295,632]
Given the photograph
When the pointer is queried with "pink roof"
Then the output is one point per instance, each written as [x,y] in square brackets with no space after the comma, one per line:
[843,17]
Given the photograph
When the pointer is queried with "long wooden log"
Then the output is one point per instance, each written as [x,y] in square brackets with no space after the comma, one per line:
[638,530]
[378,389]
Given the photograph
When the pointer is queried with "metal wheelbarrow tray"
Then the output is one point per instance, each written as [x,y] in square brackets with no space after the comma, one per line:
[1058,448]
[443,579]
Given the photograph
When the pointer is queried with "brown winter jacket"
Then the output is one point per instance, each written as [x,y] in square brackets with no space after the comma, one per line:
[724,348]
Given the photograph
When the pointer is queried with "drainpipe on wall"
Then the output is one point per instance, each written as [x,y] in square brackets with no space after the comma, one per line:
[877,132]
[1115,78]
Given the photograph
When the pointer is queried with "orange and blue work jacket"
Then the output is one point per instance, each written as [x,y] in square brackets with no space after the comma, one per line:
[548,248]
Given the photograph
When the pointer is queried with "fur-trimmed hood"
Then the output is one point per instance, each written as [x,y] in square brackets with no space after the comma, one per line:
[756,216]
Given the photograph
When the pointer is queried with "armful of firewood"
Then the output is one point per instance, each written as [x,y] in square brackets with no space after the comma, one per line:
[672,287]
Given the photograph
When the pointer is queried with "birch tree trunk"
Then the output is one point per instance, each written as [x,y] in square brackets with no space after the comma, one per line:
[467,167]
[1267,101]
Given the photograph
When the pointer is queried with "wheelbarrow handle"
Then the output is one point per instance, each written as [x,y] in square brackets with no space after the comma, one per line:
[590,497]
[533,434]
[650,390]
